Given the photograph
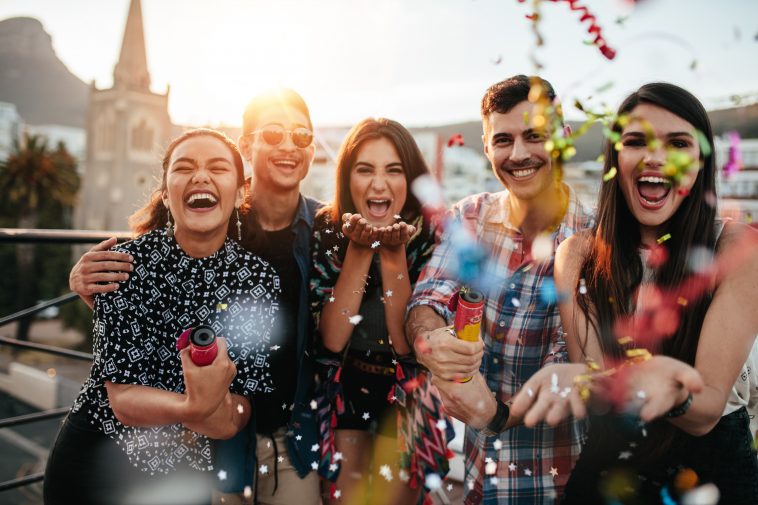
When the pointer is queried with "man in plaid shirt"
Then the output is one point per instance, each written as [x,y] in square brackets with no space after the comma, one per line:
[506,462]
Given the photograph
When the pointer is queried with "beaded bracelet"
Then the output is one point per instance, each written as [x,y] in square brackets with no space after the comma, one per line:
[681,409]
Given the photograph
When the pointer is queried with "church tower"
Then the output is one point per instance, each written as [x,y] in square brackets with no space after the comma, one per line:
[128,127]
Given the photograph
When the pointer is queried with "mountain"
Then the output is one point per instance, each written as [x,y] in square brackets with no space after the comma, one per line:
[35,80]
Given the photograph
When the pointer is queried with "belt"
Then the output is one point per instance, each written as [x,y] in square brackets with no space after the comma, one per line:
[369,367]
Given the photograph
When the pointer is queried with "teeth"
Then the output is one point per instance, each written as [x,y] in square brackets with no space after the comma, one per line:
[525,172]
[201,196]
[654,180]
[379,201]
[289,163]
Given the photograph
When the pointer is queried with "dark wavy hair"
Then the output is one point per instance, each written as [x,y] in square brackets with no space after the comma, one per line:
[407,149]
[154,214]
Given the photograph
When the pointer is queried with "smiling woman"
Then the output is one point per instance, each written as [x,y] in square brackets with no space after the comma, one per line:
[142,424]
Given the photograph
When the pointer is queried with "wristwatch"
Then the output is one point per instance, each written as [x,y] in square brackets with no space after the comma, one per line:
[497,425]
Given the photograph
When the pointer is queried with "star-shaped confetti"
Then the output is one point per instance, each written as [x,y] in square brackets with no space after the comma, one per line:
[240,409]
[331,299]
[263,469]
[314,448]
[275,347]
[314,465]
[337,456]
[432,481]
[280,459]
[248,492]
[221,475]
[494,481]
[512,467]
[625,455]
[366,416]
[553,471]
[527,472]
[385,472]
[354,320]
[375,244]
[333,467]
[400,277]
[388,293]
[298,437]
[449,487]
[497,444]
[337,494]
[314,404]
[490,468]
[441,424]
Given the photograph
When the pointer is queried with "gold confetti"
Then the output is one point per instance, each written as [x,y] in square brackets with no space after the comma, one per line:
[664,238]
[610,174]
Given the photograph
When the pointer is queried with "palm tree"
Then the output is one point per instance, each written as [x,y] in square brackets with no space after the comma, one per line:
[33,178]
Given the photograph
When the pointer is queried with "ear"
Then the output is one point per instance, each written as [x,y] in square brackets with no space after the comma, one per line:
[486,145]
[244,144]
[164,197]
[240,198]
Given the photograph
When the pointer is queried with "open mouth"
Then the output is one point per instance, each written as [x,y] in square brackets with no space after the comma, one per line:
[378,207]
[200,201]
[653,190]
[284,163]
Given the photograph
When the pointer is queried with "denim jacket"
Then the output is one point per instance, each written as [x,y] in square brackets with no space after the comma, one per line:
[237,456]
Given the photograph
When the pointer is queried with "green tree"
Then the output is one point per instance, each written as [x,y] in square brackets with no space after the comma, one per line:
[38,184]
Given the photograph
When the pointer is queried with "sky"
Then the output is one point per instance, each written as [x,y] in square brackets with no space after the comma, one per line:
[421,62]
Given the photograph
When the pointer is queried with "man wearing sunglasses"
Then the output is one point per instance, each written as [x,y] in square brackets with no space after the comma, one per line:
[273,457]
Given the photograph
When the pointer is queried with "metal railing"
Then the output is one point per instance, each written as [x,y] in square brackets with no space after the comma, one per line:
[18,235]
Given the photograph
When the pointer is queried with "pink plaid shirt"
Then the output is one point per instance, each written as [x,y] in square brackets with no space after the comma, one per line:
[521,332]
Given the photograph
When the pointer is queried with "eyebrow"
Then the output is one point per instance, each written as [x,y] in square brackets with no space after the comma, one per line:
[366,163]
[668,135]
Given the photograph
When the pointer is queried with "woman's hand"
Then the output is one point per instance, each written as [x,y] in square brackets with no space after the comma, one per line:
[396,235]
[550,395]
[358,230]
[660,384]
[206,387]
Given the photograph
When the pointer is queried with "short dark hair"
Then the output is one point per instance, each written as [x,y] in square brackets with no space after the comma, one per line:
[503,96]
[281,97]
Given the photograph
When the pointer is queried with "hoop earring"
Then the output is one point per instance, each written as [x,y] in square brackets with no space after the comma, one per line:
[239,225]
[170,227]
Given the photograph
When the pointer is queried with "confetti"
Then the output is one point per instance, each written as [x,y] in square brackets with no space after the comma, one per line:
[625,455]
[263,469]
[298,437]
[240,409]
[441,424]
[333,467]
[275,347]
[314,448]
[553,471]
[354,320]
[403,475]
[470,484]
[366,416]
[432,481]
[221,475]
[542,247]
[449,487]
[375,244]
[530,393]
[707,494]
[512,467]
[337,456]
[527,472]
[314,465]
[554,383]
[248,492]
[280,459]
[455,140]
[388,293]
[337,494]
[610,174]
[664,238]
[490,468]
[494,481]
[516,302]
[582,287]
[497,444]
[314,404]
[385,472]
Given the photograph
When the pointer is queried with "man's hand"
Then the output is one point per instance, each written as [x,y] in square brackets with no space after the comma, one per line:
[446,356]
[550,395]
[470,402]
[99,271]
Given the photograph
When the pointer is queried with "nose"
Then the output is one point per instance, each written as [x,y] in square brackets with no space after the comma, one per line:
[287,144]
[655,156]
[378,182]
[201,176]
[520,151]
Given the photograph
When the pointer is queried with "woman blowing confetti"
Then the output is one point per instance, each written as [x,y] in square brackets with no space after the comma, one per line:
[660,275]
[139,430]
[369,247]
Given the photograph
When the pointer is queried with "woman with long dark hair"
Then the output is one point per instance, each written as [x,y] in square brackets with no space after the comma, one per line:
[659,274]
[369,247]
[139,432]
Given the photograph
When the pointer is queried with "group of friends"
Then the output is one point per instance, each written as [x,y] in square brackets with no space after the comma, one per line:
[609,347]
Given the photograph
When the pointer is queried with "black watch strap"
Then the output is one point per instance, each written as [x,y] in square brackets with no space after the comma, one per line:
[680,409]
[497,425]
